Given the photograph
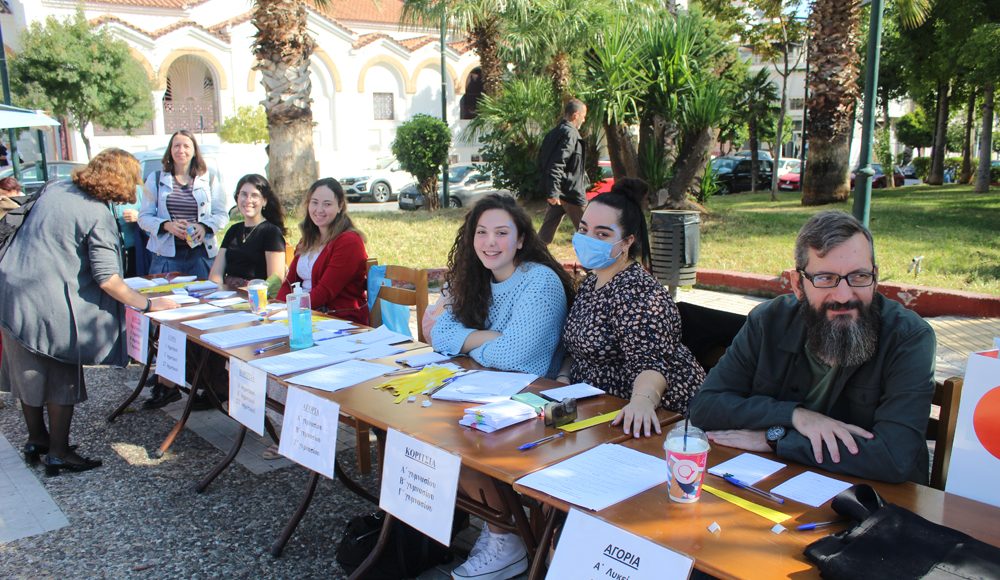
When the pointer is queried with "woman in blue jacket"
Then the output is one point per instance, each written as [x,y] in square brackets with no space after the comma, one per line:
[183,207]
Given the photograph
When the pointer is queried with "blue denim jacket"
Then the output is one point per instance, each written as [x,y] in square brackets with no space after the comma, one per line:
[211,211]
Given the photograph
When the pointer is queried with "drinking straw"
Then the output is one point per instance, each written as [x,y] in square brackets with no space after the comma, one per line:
[685,432]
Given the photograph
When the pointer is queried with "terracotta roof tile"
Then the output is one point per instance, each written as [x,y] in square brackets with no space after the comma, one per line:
[107,18]
[190,23]
[461,46]
[366,39]
[413,44]
[380,11]
[178,4]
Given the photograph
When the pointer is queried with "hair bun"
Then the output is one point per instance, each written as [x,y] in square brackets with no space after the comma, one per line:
[631,188]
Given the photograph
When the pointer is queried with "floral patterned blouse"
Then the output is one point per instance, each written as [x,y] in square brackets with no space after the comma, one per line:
[625,327]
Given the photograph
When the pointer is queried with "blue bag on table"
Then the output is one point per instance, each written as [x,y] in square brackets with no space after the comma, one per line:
[395,316]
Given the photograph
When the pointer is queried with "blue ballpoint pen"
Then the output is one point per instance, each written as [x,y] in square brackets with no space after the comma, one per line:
[812,526]
[534,444]
[729,477]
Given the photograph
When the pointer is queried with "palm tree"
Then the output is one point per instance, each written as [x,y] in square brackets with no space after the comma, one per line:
[755,104]
[481,19]
[283,46]
[833,92]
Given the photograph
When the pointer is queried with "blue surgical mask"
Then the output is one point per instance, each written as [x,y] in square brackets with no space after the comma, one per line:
[592,253]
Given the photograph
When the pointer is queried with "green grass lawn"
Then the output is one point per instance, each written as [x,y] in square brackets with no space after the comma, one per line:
[957,232]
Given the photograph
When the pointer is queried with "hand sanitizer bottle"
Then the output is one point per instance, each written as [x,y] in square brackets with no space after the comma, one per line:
[299,318]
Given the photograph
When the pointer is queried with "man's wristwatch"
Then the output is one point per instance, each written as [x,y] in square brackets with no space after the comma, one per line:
[773,435]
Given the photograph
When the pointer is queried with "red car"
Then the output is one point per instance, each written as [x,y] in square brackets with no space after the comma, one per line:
[791,181]
[879,179]
[606,179]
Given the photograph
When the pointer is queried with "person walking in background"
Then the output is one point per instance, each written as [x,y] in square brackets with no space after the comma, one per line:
[562,160]
[183,207]
[61,302]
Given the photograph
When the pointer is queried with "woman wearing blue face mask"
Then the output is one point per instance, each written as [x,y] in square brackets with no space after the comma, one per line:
[623,332]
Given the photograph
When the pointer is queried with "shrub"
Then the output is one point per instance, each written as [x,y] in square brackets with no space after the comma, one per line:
[922,165]
[421,146]
[248,125]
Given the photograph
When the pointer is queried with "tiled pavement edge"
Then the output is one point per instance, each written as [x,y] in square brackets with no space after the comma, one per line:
[26,509]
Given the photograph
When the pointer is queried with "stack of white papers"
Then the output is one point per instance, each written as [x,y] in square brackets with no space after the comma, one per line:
[186,312]
[811,488]
[201,285]
[333,324]
[223,302]
[484,387]
[220,321]
[576,391]
[182,299]
[221,294]
[137,283]
[341,376]
[422,360]
[599,477]
[183,279]
[381,335]
[493,416]
[301,360]
[747,467]
[244,336]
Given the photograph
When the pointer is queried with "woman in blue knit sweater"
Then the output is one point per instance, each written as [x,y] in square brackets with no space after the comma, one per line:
[507,302]
[508,297]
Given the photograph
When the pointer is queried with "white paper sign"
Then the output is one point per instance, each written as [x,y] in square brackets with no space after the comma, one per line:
[309,433]
[247,391]
[137,334]
[170,358]
[590,548]
[975,455]
[419,484]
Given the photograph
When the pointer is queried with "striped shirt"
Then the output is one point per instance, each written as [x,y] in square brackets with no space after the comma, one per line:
[182,205]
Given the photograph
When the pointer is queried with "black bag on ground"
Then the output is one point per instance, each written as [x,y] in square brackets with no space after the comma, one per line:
[891,542]
[14,219]
[407,552]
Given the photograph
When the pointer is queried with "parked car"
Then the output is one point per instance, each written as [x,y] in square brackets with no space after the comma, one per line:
[787,164]
[467,184]
[152,160]
[380,183]
[879,179]
[605,180]
[732,173]
[761,154]
[31,174]
[791,180]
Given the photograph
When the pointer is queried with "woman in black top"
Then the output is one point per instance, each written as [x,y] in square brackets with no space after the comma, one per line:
[256,247]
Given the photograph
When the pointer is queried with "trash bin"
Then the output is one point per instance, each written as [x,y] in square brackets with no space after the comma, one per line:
[675,240]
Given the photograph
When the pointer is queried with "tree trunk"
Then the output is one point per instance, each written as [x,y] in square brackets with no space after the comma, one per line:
[985,142]
[827,176]
[282,46]
[561,75]
[486,38]
[970,119]
[781,127]
[429,189]
[83,135]
[291,160]
[935,176]
[890,163]
[752,129]
[833,91]
[690,166]
[621,150]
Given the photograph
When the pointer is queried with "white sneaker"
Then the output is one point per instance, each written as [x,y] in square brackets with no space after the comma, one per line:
[493,557]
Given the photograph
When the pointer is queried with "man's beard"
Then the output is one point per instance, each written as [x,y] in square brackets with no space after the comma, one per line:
[842,341]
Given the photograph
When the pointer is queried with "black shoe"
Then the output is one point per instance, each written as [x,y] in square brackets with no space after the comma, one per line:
[161,398]
[203,402]
[33,452]
[152,383]
[53,465]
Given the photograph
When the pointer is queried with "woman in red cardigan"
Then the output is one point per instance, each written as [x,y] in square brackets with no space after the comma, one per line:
[330,260]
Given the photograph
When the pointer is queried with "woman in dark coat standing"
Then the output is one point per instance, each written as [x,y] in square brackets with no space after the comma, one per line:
[61,302]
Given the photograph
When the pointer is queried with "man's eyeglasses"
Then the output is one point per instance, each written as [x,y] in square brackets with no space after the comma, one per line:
[826,280]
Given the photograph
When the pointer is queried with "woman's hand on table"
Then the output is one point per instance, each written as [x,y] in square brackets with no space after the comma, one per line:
[638,417]
[162,303]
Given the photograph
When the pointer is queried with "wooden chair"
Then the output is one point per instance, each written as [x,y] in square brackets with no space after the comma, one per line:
[416,296]
[941,430]
[708,332]
[289,254]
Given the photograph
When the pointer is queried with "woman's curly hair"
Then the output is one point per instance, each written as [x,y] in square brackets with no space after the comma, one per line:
[112,175]
[469,281]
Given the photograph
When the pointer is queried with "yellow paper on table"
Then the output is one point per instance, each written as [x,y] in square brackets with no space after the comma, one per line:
[164,287]
[584,423]
[407,385]
[764,512]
